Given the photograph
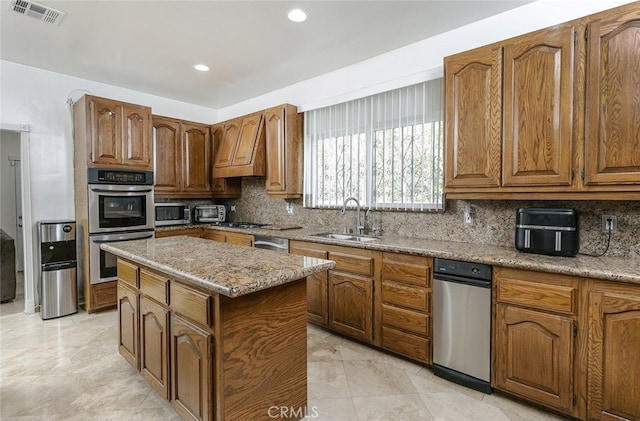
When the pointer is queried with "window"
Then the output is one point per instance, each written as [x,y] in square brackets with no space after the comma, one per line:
[385,150]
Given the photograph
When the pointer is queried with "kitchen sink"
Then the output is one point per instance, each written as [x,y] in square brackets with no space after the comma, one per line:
[345,237]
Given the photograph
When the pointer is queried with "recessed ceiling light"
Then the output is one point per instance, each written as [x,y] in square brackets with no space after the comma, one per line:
[201,67]
[297,15]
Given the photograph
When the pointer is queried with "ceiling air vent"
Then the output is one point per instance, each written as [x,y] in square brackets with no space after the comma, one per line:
[38,11]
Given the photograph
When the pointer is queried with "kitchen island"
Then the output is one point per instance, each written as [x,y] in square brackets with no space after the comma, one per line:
[219,330]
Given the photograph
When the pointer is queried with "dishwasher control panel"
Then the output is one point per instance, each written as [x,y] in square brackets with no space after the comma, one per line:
[464,269]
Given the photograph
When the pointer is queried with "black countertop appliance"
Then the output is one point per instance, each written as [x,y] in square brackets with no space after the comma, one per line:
[552,232]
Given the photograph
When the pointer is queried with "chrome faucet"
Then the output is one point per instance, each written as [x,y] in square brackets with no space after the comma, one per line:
[359,226]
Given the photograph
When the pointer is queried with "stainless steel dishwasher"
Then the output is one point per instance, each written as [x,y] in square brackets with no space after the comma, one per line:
[462,323]
[271,243]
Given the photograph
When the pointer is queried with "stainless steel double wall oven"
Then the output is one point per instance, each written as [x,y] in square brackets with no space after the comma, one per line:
[120,208]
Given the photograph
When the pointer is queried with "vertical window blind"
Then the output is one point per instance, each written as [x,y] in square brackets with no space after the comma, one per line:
[385,150]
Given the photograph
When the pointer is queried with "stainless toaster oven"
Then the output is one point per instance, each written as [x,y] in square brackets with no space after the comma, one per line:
[210,213]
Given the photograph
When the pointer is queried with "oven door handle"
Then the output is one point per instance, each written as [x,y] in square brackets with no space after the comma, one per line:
[123,237]
[120,189]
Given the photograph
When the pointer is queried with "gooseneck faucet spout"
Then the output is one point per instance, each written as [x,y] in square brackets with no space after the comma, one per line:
[359,226]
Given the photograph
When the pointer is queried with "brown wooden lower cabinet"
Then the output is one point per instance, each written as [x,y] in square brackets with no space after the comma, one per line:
[535,351]
[191,370]
[534,345]
[317,285]
[614,352]
[230,237]
[212,356]
[191,232]
[128,338]
[351,305]
[404,305]
[103,296]
[154,345]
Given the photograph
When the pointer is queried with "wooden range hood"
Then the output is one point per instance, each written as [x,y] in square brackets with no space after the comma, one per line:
[241,152]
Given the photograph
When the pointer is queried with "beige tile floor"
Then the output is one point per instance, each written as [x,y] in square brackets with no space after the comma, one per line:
[69,369]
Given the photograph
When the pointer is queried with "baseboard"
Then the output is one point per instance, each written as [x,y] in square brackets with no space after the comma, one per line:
[29,307]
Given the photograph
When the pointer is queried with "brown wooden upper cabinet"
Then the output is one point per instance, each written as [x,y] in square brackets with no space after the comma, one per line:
[612,125]
[118,134]
[519,119]
[182,161]
[227,188]
[473,92]
[283,130]
[537,110]
[242,150]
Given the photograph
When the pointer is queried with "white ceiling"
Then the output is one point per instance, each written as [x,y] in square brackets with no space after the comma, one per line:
[251,47]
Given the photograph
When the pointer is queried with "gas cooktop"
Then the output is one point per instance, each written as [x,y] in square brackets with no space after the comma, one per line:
[244,225]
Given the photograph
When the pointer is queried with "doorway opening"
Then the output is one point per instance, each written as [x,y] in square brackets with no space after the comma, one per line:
[17,286]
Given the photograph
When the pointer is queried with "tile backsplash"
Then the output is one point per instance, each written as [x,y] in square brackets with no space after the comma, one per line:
[494,220]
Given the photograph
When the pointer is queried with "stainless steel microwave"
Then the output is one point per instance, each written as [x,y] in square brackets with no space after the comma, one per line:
[210,213]
[172,214]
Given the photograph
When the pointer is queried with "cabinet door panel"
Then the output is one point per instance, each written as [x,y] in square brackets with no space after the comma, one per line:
[106,132]
[195,149]
[274,131]
[614,357]
[473,118]
[137,148]
[191,370]
[612,107]
[534,356]
[246,140]
[128,324]
[538,105]
[351,307]
[224,153]
[317,298]
[167,155]
[222,187]
[154,345]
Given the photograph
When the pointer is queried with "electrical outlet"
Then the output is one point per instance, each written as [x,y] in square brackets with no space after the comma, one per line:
[289,208]
[468,215]
[232,208]
[609,223]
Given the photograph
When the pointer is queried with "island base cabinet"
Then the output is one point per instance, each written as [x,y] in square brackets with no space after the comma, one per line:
[128,324]
[191,370]
[534,356]
[264,349]
[614,353]
[154,344]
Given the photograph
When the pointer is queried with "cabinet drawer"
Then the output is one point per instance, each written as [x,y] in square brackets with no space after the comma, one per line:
[561,298]
[128,273]
[154,285]
[406,344]
[407,320]
[215,235]
[190,303]
[305,249]
[414,270]
[405,296]
[353,263]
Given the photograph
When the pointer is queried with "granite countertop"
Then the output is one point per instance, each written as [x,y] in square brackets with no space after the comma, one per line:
[606,268]
[218,267]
